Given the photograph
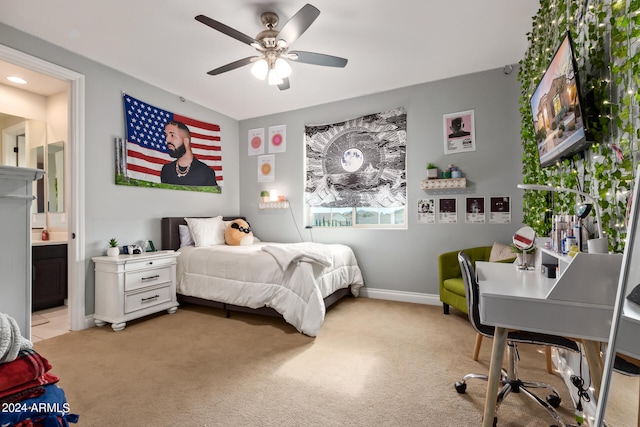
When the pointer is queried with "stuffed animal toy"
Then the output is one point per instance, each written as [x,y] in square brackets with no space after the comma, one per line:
[238,233]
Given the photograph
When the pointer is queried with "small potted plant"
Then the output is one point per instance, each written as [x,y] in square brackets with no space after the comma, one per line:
[432,171]
[265,195]
[113,249]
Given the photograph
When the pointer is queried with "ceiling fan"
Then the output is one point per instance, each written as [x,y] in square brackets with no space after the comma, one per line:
[273,47]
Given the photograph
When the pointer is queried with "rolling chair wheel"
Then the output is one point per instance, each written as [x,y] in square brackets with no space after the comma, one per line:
[554,400]
[461,387]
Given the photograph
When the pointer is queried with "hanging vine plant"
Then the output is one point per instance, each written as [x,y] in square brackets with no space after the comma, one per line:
[606,36]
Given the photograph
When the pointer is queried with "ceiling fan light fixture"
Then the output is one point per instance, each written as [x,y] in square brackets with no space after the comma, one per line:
[260,69]
[274,78]
[282,68]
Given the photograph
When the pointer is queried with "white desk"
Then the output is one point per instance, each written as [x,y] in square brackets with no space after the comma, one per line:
[578,304]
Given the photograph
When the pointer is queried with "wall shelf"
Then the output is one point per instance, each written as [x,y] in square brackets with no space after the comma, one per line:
[444,184]
[274,205]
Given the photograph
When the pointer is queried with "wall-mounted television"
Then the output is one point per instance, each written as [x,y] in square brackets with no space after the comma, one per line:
[557,109]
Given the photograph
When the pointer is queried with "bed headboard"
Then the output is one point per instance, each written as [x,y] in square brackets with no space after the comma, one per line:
[170,231]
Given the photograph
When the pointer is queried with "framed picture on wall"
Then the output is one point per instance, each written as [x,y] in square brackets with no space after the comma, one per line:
[459,132]
[255,138]
[500,210]
[475,210]
[447,211]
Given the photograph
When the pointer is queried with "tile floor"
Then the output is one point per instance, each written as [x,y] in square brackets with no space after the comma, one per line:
[57,323]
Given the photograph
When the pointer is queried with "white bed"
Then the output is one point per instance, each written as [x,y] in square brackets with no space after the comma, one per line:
[296,280]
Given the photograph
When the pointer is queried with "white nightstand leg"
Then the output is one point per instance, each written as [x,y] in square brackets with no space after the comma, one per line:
[172,310]
[99,323]
[118,326]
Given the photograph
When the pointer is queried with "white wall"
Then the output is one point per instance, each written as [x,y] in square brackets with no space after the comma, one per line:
[22,103]
[404,260]
[58,117]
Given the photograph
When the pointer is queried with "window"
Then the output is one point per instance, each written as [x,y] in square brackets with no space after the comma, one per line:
[358,217]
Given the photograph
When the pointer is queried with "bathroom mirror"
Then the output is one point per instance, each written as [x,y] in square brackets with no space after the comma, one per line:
[36,161]
[55,176]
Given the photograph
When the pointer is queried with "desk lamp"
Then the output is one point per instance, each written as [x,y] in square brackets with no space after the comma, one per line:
[599,245]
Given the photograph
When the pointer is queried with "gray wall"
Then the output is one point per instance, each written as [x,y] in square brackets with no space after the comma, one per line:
[394,261]
[403,260]
[129,214]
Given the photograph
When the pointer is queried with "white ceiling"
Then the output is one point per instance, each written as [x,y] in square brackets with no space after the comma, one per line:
[389,44]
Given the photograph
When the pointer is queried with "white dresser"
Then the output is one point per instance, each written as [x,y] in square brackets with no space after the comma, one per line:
[132,286]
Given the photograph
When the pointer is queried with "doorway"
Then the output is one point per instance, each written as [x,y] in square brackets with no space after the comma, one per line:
[75,177]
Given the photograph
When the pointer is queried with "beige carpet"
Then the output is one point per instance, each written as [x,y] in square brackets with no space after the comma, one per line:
[374,363]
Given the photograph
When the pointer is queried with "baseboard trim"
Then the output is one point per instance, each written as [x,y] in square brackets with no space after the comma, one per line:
[402,296]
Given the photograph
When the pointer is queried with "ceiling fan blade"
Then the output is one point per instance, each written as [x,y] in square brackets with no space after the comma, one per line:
[318,59]
[298,24]
[232,66]
[225,29]
[285,84]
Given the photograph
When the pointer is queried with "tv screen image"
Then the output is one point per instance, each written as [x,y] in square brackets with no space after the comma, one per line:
[555,107]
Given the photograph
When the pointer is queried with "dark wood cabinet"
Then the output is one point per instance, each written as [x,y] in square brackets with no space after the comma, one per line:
[49,276]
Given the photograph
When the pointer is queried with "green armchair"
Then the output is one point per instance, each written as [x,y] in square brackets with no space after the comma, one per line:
[451,284]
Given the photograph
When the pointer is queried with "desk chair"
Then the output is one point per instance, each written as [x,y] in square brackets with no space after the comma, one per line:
[509,378]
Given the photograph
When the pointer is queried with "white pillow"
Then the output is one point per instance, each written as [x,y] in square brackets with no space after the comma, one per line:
[185,236]
[206,231]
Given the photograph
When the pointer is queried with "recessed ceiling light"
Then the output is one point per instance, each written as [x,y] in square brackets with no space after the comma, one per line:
[17,80]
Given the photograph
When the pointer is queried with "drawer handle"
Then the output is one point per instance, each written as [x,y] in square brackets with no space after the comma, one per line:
[149,298]
[151,277]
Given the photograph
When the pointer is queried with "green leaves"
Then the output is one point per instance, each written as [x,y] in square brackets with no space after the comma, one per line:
[606,36]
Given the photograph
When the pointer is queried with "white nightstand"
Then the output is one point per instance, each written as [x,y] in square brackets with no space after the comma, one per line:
[132,286]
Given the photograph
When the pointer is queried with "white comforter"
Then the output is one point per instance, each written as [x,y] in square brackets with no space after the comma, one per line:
[292,279]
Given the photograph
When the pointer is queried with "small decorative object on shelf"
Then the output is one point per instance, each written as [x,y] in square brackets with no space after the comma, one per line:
[113,248]
[264,194]
[45,234]
[447,172]
[432,171]
[455,171]
[444,184]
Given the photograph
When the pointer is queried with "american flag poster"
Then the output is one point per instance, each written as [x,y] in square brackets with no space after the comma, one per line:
[149,158]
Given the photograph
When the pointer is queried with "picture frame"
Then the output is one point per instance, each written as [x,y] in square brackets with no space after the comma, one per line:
[459,132]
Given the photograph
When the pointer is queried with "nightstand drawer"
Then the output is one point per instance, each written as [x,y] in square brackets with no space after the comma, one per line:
[144,278]
[141,300]
[148,263]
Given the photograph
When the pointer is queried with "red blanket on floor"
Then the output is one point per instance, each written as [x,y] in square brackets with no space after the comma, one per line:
[25,376]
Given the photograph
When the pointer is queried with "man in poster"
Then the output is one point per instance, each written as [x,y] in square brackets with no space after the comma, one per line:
[459,135]
[186,169]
